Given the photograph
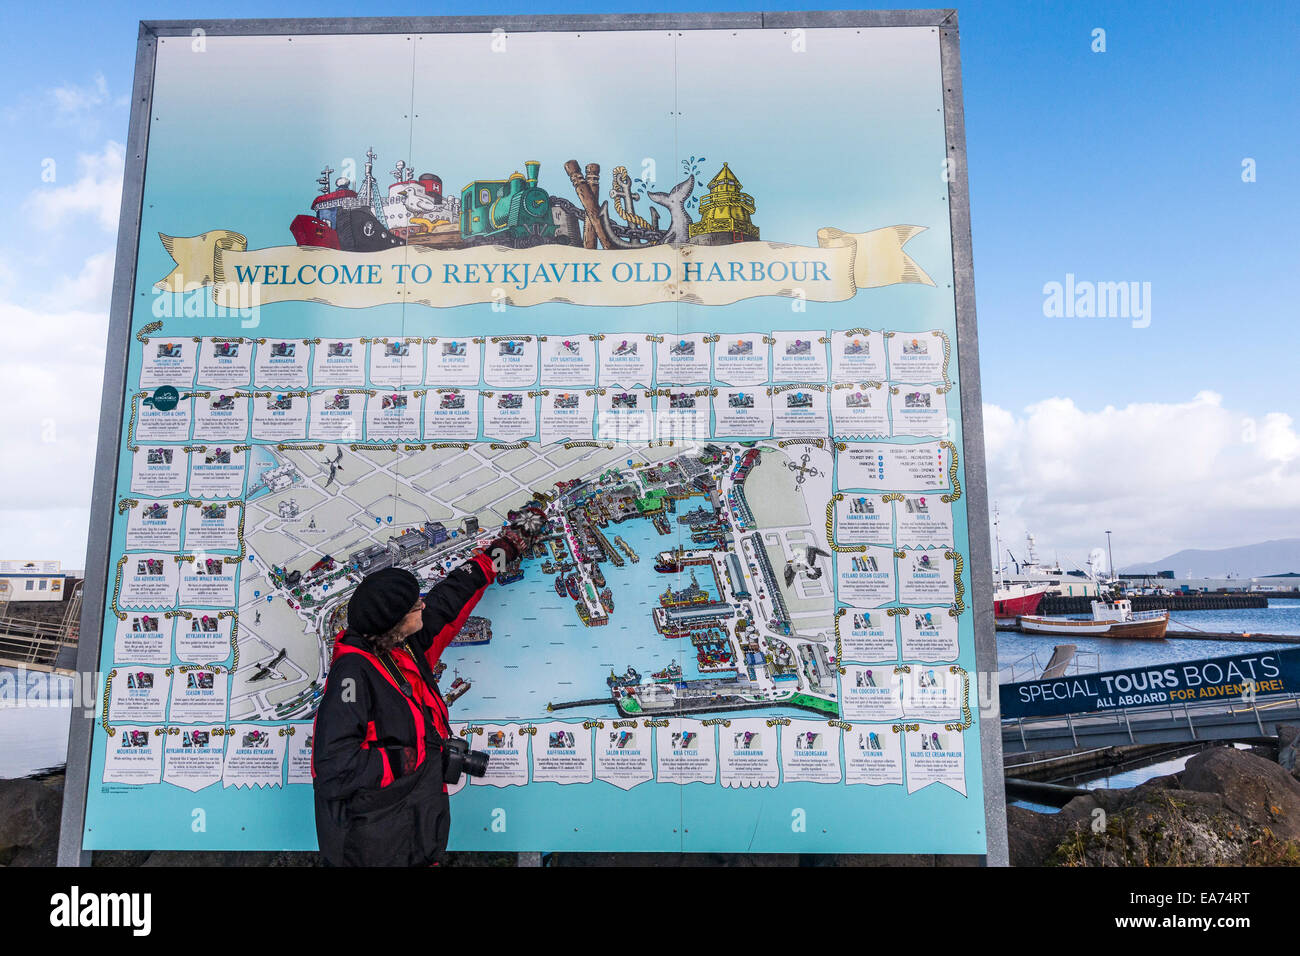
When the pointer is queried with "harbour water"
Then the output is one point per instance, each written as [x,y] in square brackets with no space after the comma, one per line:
[1282,616]
[1123,780]
[1119,780]
[32,739]
[34,713]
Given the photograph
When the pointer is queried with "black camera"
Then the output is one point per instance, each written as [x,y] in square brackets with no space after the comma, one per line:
[457,758]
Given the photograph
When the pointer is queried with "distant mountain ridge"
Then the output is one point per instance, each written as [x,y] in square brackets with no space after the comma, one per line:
[1247,561]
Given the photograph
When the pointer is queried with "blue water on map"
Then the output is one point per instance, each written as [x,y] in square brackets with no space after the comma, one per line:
[537,633]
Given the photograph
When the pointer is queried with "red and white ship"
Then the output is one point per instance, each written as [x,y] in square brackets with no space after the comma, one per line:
[1019,594]
[362,220]
[1010,601]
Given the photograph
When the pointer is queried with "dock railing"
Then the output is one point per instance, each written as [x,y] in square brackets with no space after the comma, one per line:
[29,642]
[1222,719]
[1031,667]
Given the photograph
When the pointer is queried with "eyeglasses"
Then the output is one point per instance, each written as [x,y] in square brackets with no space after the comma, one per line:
[419,606]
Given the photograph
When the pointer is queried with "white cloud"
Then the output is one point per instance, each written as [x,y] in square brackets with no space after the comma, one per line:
[79,106]
[1161,476]
[1277,438]
[52,366]
[72,100]
[90,289]
[97,191]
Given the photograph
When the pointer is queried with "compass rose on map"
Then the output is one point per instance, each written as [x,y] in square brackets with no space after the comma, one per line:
[803,470]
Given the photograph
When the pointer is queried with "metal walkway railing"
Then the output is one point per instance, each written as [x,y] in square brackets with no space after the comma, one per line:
[1162,723]
[27,641]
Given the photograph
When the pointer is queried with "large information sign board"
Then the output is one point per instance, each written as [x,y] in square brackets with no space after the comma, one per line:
[699,287]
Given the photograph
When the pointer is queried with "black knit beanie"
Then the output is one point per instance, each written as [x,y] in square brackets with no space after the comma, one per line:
[381,600]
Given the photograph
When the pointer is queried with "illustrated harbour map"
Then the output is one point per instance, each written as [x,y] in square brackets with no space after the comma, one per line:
[743,425]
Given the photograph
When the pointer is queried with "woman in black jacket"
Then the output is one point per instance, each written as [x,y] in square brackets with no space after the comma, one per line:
[377,757]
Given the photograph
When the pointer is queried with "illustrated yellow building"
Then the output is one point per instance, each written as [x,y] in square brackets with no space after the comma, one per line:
[724,213]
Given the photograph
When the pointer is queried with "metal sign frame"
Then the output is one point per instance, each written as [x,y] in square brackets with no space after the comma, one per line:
[114,389]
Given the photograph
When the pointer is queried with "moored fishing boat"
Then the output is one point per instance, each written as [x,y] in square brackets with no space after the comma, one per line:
[1109,619]
[1010,601]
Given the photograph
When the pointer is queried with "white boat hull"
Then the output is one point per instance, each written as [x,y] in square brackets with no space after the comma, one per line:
[1145,628]
[1045,625]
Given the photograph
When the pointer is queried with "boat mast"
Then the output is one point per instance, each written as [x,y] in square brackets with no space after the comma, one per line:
[998,566]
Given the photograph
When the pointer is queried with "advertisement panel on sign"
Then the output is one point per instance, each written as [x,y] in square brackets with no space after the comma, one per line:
[1189,682]
[699,291]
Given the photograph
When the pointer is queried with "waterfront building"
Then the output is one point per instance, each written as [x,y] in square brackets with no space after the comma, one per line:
[372,558]
[31,581]
[769,580]
[407,544]
[736,577]
[280,477]
[740,505]
[817,667]
[692,615]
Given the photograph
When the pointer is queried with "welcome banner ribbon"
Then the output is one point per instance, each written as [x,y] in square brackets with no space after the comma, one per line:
[834,270]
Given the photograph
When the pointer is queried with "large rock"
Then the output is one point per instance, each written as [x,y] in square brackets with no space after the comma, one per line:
[29,821]
[1033,837]
[1227,807]
[1288,748]
[1255,789]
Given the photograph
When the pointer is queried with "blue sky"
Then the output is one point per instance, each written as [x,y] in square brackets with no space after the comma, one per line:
[1123,165]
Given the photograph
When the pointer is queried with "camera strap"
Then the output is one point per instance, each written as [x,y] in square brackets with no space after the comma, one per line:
[433,739]
[431,682]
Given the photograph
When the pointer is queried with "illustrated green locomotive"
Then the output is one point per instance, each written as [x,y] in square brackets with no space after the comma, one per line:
[513,212]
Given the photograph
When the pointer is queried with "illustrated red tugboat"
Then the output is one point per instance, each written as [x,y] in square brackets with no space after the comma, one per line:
[458,689]
[342,219]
